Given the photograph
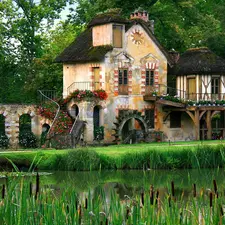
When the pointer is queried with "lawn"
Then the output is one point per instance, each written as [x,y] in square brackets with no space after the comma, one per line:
[121,156]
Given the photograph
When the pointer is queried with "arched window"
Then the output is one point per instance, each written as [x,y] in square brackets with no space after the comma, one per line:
[74,111]
[97,123]
[25,123]
[2,124]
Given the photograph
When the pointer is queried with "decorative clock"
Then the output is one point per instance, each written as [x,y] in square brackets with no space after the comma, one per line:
[137,37]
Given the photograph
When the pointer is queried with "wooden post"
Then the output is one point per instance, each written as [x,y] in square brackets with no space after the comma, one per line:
[197,137]
[209,125]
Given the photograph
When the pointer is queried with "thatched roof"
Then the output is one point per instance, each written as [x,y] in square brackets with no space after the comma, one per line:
[198,61]
[81,50]
[105,18]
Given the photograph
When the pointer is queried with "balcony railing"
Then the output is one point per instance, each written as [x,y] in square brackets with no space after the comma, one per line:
[205,96]
[163,90]
[86,85]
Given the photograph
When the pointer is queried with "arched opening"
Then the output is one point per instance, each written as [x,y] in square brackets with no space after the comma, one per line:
[2,124]
[74,111]
[132,131]
[25,123]
[98,122]
[45,129]
[26,137]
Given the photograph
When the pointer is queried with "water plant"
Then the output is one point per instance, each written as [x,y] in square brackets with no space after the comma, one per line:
[30,203]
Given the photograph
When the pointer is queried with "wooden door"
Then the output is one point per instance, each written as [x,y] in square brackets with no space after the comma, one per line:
[97,78]
[192,88]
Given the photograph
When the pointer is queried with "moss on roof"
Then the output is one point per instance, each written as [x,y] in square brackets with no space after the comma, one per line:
[81,50]
[198,61]
[108,17]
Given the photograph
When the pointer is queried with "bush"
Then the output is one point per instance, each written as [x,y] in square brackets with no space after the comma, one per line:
[27,140]
[81,159]
[4,141]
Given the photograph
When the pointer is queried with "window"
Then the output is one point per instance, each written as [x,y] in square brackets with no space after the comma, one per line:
[215,85]
[150,116]
[117,36]
[123,81]
[123,78]
[175,120]
[149,79]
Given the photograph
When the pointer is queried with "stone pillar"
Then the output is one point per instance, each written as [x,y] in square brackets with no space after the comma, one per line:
[197,125]
[209,125]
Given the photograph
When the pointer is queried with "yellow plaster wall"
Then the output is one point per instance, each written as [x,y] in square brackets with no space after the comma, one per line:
[102,35]
[79,73]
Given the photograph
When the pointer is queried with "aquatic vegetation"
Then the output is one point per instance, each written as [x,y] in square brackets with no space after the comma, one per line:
[24,203]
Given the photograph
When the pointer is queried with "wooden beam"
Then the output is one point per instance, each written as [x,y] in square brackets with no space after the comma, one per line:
[201,114]
[149,98]
[197,124]
[170,103]
[191,115]
[166,116]
[209,125]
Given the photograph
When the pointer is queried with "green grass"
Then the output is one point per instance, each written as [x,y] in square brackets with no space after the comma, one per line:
[23,205]
[207,154]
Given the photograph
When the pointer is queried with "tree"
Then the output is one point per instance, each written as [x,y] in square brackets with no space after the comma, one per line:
[23,26]
[179,24]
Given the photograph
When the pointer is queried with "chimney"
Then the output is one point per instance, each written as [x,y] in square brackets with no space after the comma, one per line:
[175,56]
[139,14]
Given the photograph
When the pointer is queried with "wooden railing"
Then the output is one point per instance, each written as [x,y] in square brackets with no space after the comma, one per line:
[86,85]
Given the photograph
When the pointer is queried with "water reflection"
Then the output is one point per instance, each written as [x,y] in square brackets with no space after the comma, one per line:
[133,182]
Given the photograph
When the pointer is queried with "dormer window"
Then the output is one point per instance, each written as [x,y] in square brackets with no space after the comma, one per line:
[118,36]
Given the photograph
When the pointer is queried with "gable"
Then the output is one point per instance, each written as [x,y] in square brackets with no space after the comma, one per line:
[144,46]
[141,30]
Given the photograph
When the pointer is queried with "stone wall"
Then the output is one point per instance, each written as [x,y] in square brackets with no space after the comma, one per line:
[12,113]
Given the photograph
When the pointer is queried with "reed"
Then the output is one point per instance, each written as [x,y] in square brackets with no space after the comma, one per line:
[67,207]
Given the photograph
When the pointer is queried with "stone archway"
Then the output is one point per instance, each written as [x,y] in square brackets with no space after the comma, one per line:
[122,121]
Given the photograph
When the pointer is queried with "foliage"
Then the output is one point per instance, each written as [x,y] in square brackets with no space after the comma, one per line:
[178,24]
[86,95]
[140,207]
[81,159]
[27,140]
[63,124]
[4,141]
[47,110]
[98,133]
[139,156]
[171,98]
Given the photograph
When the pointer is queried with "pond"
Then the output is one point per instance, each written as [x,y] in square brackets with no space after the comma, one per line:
[133,182]
[115,198]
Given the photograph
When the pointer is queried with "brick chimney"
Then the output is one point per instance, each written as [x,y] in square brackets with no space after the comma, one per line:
[174,55]
[142,14]
[139,14]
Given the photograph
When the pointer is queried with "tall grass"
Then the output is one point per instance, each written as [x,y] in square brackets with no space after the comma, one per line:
[164,157]
[147,208]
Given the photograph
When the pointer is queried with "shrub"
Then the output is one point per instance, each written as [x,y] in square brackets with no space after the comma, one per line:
[81,159]
[27,140]
[4,141]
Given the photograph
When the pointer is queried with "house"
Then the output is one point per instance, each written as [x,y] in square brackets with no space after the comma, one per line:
[124,58]
[201,74]
[153,94]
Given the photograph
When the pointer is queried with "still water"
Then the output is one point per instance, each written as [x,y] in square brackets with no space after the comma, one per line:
[132,183]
